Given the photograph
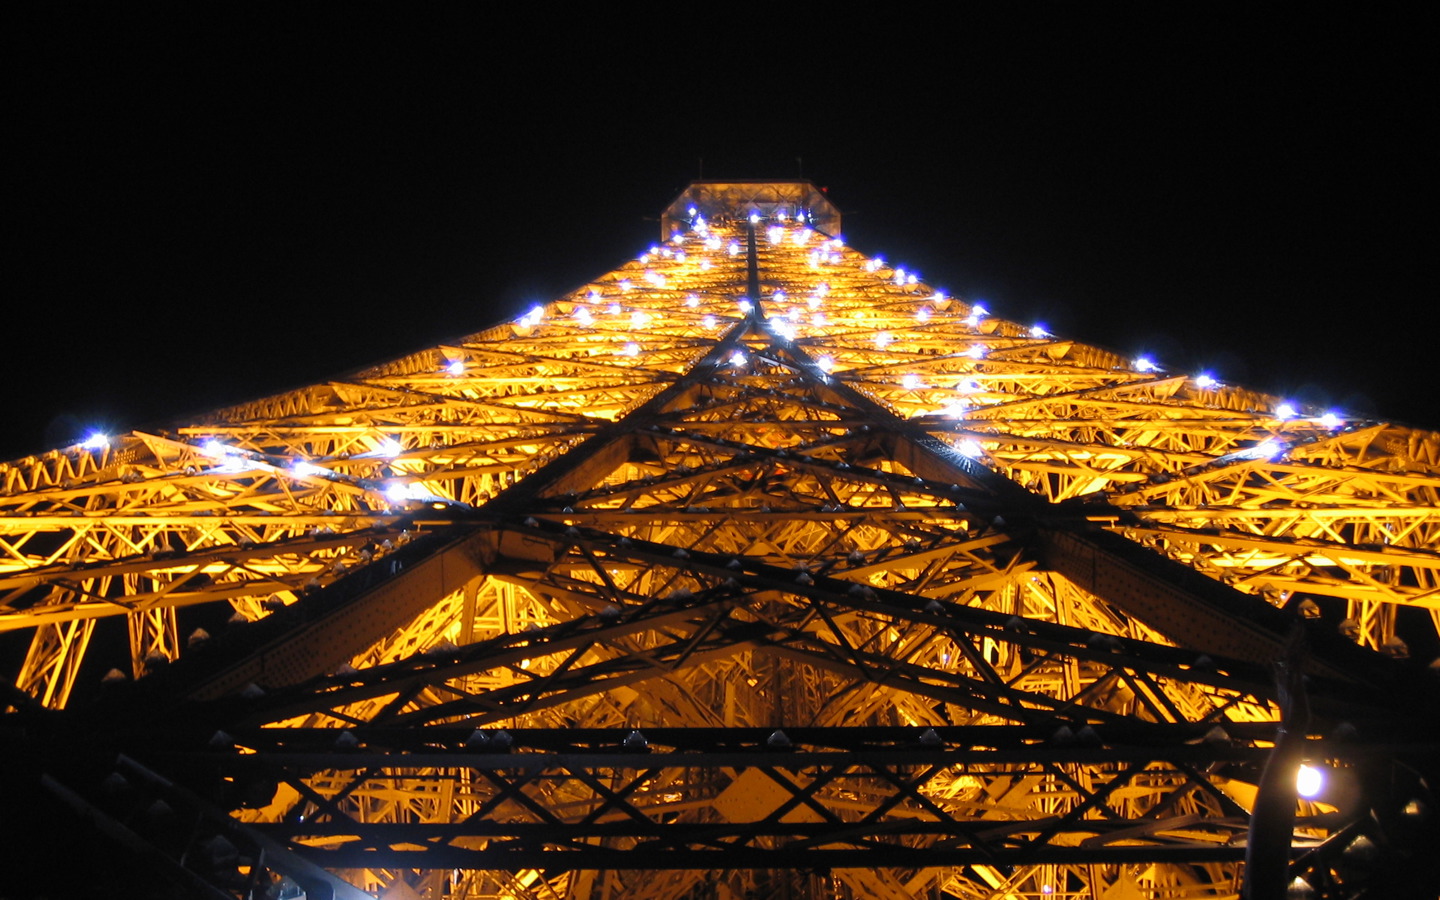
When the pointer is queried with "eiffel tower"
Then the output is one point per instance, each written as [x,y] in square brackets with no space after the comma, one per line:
[756,567]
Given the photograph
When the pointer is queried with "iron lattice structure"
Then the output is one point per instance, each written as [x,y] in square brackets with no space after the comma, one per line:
[754,567]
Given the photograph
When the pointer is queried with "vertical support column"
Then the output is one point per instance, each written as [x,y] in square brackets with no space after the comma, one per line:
[53,661]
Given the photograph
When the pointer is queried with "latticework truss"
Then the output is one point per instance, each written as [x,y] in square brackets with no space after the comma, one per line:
[755,567]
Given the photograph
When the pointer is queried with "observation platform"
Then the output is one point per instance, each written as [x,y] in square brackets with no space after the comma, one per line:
[719,200]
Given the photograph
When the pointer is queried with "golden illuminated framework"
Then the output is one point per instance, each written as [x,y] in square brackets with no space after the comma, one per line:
[754,567]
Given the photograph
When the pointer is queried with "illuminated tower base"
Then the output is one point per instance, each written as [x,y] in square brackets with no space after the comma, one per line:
[756,567]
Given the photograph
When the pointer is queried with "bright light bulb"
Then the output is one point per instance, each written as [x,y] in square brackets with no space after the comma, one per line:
[1286,411]
[1309,781]
[708,321]
[631,349]
[976,352]
[390,447]
[456,367]
[303,468]
[1268,449]
[1205,380]
[971,449]
[883,339]
[1330,420]
[613,309]
[96,441]
[737,359]
[977,310]
[1145,364]
[826,364]
[745,305]
[1038,331]
[910,381]
[692,301]
[395,493]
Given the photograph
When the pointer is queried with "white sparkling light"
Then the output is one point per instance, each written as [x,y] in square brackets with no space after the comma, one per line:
[456,367]
[970,448]
[631,349]
[96,441]
[1309,781]
[692,301]
[1286,411]
[1205,380]
[1330,420]
[398,492]
[883,339]
[390,447]
[826,363]
[1145,364]
[738,359]
[1267,449]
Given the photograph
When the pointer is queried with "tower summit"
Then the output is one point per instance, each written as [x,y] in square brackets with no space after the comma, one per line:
[756,566]
[770,201]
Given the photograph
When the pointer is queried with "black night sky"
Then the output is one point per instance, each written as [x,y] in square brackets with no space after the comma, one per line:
[209,207]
